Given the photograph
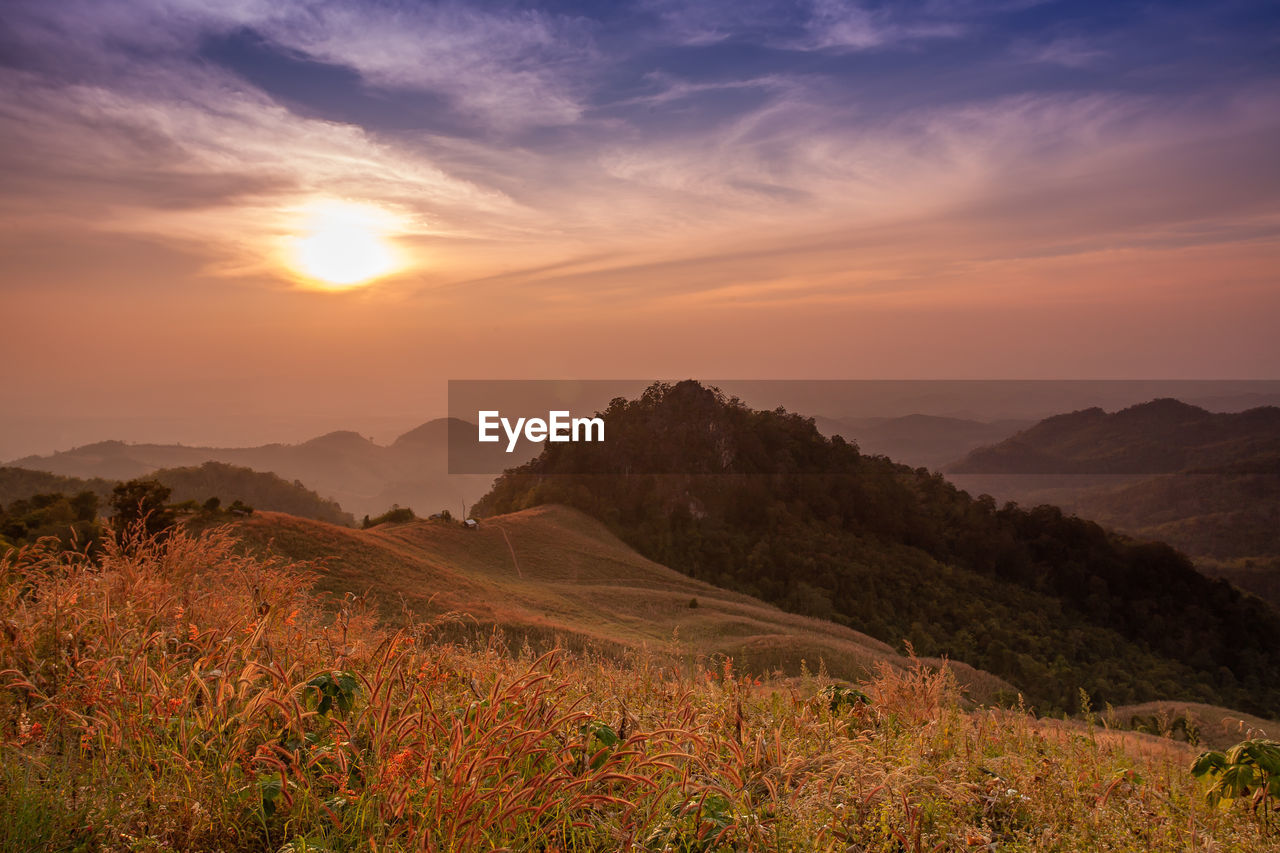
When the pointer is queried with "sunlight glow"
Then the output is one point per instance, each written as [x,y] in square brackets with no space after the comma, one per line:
[343,244]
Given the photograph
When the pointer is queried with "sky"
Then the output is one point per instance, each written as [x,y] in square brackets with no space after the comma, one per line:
[733,188]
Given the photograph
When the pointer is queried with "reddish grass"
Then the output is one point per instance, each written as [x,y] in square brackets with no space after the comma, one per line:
[181,696]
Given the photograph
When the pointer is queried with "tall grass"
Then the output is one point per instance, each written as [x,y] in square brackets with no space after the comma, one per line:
[179,696]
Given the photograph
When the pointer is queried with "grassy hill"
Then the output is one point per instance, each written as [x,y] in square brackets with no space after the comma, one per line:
[552,574]
[1211,725]
[186,697]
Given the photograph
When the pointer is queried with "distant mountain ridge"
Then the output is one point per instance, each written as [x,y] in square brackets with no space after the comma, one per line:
[362,476]
[1163,436]
[1206,483]
[919,440]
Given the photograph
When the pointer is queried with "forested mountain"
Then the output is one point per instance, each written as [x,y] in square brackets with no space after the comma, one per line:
[1206,483]
[1160,437]
[761,502]
[197,483]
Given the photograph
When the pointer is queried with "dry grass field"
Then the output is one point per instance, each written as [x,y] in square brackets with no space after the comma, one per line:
[1216,727]
[187,697]
[552,575]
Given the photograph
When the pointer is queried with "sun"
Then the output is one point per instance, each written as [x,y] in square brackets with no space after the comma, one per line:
[343,244]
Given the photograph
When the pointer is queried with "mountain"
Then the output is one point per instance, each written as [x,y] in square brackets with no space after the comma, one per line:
[552,573]
[919,440]
[259,490]
[1217,513]
[197,483]
[364,477]
[761,502]
[1160,437]
[1208,484]
[1228,522]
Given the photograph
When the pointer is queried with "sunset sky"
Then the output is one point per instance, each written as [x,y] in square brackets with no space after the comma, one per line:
[718,188]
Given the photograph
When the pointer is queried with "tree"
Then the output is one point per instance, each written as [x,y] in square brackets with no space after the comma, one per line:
[85,505]
[71,520]
[141,502]
[239,507]
[396,515]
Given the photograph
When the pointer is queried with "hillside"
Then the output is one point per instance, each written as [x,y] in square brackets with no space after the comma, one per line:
[364,477]
[553,572]
[21,483]
[197,483]
[762,503]
[1207,484]
[1214,727]
[919,440]
[1228,523]
[1160,437]
[194,698]
[1212,515]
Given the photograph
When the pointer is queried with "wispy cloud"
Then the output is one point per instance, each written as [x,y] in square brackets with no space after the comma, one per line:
[942,187]
[716,124]
[713,21]
[850,25]
[511,68]
[1069,52]
[196,157]
[832,25]
[670,88]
